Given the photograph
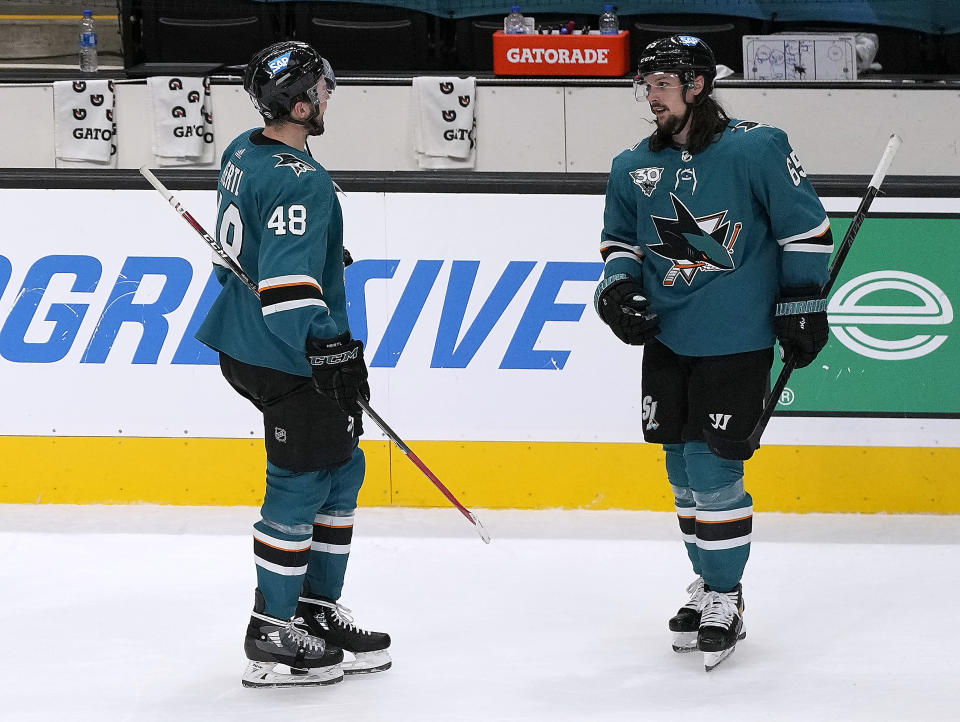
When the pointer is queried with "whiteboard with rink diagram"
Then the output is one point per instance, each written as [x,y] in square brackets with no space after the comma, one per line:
[799,57]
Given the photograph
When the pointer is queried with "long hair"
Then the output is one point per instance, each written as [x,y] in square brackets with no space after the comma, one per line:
[707,119]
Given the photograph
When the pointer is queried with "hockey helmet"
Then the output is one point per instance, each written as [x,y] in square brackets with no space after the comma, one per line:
[686,55]
[284,73]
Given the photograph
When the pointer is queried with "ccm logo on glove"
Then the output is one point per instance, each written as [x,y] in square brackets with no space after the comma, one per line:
[334,359]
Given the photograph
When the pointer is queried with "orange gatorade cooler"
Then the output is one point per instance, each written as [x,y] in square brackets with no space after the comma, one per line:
[566,55]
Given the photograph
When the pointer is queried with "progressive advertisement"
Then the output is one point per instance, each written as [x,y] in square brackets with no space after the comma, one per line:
[476,312]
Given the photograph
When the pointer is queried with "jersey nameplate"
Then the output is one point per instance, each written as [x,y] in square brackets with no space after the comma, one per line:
[230,178]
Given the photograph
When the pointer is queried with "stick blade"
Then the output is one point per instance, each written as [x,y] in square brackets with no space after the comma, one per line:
[736,449]
[480,528]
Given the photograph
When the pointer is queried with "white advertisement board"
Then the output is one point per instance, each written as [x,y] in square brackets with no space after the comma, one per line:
[476,311]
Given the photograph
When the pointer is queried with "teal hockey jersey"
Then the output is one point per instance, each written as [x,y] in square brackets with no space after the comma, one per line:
[713,237]
[279,217]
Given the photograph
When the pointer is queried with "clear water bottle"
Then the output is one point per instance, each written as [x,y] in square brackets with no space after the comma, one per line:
[88,43]
[513,24]
[608,21]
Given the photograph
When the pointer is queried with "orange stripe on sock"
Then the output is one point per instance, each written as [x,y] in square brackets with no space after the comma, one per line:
[726,521]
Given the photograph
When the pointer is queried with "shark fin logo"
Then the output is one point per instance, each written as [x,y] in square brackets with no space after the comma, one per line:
[289,160]
[747,125]
[694,243]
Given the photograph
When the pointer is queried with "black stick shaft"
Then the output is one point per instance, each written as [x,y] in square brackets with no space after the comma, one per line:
[744,448]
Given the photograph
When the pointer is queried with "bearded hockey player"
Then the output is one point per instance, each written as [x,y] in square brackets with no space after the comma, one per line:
[291,354]
[715,246]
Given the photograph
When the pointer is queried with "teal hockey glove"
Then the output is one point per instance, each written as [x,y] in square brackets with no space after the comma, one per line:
[339,371]
[801,324]
[621,305]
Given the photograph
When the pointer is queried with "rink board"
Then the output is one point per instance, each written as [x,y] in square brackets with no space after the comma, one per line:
[484,353]
[507,475]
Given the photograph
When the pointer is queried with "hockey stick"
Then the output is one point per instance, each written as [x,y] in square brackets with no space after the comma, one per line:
[744,448]
[248,282]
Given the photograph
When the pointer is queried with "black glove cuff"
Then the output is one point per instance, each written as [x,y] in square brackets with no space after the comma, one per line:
[325,345]
[800,300]
[603,286]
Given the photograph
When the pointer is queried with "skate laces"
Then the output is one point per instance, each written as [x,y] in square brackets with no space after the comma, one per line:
[342,615]
[718,609]
[302,638]
[695,590]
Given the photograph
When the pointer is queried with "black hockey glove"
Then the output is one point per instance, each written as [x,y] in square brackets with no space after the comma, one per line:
[339,371]
[621,305]
[801,323]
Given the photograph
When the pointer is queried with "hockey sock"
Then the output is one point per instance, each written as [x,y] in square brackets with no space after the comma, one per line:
[333,530]
[724,513]
[683,497]
[329,553]
[282,537]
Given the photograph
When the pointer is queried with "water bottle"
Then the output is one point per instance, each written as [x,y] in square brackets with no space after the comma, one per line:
[513,24]
[88,43]
[608,21]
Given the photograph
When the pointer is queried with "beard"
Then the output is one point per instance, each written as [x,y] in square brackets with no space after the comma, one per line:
[315,127]
[671,124]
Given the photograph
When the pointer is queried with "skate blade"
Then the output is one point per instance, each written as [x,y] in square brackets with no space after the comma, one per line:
[367,662]
[684,642]
[712,659]
[264,674]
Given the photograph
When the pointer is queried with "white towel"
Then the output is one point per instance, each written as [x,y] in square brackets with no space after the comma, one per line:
[182,120]
[84,129]
[444,124]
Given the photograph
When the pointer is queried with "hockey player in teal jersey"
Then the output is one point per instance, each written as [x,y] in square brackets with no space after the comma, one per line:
[291,354]
[711,233]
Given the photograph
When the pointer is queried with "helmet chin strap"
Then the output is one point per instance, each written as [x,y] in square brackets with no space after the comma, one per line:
[310,122]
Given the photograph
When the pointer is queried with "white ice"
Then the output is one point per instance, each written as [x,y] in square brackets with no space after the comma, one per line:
[138,613]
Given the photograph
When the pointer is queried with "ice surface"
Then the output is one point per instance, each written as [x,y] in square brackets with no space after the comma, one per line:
[138,612]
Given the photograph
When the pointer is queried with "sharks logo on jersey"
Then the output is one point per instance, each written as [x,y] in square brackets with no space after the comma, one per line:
[747,125]
[694,243]
[291,161]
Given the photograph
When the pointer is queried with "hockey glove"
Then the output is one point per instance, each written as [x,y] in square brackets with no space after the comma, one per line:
[339,371]
[801,323]
[621,305]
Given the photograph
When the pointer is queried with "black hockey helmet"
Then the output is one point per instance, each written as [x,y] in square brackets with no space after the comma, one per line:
[282,74]
[686,55]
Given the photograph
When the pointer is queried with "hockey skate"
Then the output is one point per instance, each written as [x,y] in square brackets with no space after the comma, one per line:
[332,622]
[685,624]
[721,625]
[270,642]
